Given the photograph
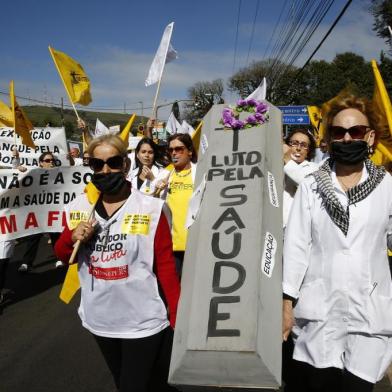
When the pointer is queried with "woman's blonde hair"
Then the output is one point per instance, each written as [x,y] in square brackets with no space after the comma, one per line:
[112,140]
[351,101]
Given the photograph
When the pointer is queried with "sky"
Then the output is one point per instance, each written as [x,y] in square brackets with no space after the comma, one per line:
[116,40]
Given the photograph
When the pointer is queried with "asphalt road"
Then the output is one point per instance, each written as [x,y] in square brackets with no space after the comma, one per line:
[43,347]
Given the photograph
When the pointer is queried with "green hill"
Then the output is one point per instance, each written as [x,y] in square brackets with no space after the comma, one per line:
[42,115]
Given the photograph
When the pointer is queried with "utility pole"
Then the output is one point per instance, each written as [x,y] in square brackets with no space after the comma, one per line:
[125,108]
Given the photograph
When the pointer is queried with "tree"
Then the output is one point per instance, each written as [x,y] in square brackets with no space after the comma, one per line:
[382,12]
[204,95]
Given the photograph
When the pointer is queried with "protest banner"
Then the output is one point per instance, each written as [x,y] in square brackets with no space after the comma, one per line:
[33,202]
[46,139]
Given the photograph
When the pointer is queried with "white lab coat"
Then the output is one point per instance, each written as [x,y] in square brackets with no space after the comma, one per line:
[294,175]
[148,187]
[343,284]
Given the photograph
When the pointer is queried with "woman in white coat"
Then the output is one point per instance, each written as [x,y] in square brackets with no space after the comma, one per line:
[299,150]
[148,166]
[336,278]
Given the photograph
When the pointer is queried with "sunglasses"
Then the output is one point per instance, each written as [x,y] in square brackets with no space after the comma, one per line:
[296,143]
[356,132]
[48,160]
[114,163]
[179,149]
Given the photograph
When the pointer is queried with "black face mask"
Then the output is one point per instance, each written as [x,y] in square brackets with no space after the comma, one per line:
[109,184]
[349,153]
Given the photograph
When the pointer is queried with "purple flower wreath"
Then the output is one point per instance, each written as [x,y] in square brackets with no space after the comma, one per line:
[259,110]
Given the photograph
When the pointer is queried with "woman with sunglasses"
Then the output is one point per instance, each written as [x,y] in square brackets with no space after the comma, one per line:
[299,149]
[147,168]
[45,161]
[336,278]
[178,189]
[125,257]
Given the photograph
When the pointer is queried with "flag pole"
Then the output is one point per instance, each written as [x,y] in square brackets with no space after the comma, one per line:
[12,96]
[61,77]
[154,105]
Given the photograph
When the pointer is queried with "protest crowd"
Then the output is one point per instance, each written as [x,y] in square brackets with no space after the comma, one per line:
[123,234]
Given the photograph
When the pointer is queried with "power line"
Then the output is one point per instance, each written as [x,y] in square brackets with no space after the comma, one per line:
[253,31]
[236,34]
[342,12]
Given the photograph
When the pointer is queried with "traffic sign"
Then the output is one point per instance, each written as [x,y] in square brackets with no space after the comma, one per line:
[296,120]
[302,110]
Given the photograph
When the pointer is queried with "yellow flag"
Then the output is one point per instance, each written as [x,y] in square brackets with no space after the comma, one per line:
[124,134]
[21,123]
[316,119]
[72,74]
[71,284]
[6,118]
[196,136]
[382,105]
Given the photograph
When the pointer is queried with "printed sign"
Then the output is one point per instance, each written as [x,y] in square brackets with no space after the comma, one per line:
[46,140]
[268,259]
[136,224]
[33,202]
[273,194]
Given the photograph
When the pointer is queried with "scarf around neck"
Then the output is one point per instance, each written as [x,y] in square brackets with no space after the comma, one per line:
[339,215]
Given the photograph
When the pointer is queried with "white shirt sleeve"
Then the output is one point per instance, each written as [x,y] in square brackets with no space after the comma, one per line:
[297,242]
[389,231]
[298,172]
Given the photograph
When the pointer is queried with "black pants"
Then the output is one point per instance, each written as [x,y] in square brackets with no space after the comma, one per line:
[33,244]
[139,365]
[179,260]
[306,378]
[3,271]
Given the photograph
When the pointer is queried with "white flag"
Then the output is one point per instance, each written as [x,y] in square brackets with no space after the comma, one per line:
[187,128]
[100,129]
[164,54]
[172,125]
[260,93]
[114,129]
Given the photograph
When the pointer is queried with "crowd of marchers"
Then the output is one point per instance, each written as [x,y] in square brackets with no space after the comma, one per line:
[337,222]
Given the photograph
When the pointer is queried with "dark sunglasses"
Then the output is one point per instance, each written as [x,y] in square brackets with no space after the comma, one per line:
[115,162]
[356,132]
[176,149]
[48,160]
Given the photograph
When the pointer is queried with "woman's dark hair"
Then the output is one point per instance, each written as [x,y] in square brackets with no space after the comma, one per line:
[186,140]
[312,142]
[152,144]
[44,154]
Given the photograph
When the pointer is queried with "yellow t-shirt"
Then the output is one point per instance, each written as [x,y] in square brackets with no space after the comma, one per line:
[180,192]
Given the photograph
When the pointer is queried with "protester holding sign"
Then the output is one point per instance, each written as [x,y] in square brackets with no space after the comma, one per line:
[300,148]
[335,260]
[148,166]
[7,247]
[126,250]
[46,161]
[178,189]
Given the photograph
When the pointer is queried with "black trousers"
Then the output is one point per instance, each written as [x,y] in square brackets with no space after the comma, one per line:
[33,243]
[179,260]
[139,365]
[306,378]
[3,271]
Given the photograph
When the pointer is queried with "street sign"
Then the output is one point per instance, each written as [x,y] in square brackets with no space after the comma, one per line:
[302,110]
[296,119]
